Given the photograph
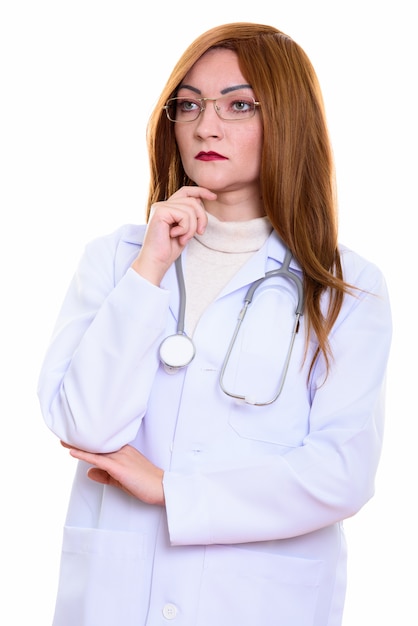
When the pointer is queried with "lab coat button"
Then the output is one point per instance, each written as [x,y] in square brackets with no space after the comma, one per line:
[170,611]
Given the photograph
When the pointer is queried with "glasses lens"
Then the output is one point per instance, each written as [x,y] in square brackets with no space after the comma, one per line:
[235,107]
[232,107]
[183,109]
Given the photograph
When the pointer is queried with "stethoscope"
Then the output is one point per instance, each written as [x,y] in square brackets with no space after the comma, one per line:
[178,351]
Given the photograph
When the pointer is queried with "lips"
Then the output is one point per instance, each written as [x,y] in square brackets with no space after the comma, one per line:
[210,156]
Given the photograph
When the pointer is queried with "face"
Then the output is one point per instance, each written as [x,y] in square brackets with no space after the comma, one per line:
[221,155]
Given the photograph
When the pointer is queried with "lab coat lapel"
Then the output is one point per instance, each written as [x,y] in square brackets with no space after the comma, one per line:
[269,257]
[169,283]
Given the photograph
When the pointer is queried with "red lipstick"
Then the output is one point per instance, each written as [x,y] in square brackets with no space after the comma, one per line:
[210,156]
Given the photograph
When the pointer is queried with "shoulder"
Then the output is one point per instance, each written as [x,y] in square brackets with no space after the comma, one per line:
[359,271]
[114,252]
[370,292]
[126,239]
[129,234]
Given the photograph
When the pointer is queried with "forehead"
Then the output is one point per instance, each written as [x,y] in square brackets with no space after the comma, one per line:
[216,70]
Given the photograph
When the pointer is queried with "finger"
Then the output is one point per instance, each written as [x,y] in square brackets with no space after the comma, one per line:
[193,191]
[82,455]
[178,217]
[100,476]
[200,193]
[185,221]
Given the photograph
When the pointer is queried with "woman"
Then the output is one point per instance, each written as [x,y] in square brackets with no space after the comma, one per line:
[214,476]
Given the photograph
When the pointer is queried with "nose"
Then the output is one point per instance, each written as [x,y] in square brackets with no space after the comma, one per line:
[209,124]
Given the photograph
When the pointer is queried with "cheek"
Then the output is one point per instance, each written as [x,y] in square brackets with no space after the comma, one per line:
[251,147]
[252,140]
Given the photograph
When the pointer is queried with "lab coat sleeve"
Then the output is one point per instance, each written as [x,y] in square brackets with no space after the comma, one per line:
[326,479]
[103,348]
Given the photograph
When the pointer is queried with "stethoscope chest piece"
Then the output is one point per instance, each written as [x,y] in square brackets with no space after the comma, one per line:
[176,351]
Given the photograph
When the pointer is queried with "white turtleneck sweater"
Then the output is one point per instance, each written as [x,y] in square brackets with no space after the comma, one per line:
[214,257]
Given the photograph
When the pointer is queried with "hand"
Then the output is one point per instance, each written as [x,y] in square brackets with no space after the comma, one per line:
[126,469]
[172,224]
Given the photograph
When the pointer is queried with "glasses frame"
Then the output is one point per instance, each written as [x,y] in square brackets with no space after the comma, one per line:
[202,104]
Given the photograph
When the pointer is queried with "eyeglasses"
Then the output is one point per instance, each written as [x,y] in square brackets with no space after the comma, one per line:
[232,107]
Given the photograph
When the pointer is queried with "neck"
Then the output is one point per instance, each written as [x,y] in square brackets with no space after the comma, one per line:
[234,208]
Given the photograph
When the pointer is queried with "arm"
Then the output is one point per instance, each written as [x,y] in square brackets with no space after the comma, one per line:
[325,480]
[126,469]
[102,350]
[330,476]
[99,369]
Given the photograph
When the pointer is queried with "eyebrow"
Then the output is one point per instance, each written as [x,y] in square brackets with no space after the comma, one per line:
[223,91]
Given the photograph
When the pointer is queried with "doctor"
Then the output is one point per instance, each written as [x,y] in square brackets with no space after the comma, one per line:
[215,470]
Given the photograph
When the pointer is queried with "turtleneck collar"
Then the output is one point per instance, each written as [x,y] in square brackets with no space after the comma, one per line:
[235,237]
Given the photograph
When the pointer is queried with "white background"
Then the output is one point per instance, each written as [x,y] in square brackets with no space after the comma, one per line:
[77,83]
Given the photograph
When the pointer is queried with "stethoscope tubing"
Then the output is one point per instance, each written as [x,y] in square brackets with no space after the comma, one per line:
[184,345]
[285,271]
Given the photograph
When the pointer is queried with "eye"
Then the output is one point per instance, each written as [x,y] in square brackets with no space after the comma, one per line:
[185,105]
[242,106]
[236,107]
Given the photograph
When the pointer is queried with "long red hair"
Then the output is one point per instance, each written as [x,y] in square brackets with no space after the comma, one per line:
[297,170]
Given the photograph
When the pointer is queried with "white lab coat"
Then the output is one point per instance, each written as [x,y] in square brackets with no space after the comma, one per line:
[255,496]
